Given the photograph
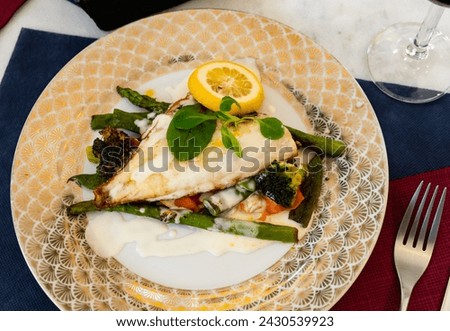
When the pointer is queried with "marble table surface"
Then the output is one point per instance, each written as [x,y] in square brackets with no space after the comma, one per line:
[344,27]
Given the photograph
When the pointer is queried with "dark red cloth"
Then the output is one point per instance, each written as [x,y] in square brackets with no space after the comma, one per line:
[377,287]
[7,10]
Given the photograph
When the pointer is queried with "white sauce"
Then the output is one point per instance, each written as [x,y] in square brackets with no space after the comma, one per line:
[142,125]
[108,233]
[179,91]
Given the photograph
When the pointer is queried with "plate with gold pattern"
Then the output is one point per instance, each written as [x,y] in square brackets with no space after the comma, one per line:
[319,95]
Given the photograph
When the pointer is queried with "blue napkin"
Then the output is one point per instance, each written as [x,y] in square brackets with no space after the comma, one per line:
[37,57]
[417,139]
[417,136]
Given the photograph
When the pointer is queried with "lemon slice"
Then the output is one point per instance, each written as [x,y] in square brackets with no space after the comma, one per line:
[211,81]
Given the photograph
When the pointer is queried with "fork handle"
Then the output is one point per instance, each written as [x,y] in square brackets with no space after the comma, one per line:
[405,295]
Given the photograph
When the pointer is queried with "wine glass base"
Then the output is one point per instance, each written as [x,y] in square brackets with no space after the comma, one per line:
[404,76]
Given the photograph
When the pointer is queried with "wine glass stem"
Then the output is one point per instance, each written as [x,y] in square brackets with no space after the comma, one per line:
[419,48]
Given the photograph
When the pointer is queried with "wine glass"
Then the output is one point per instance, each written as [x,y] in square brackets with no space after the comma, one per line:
[411,62]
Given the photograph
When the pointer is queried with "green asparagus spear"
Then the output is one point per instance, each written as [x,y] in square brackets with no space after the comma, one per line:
[204,221]
[118,119]
[329,146]
[143,101]
[265,231]
[229,197]
[310,188]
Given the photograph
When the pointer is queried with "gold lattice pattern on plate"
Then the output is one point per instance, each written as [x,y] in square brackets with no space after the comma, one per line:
[313,275]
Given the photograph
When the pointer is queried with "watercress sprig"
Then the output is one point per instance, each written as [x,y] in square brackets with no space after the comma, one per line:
[270,127]
[192,127]
[190,132]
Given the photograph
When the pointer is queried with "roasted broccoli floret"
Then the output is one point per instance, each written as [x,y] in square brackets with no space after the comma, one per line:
[280,182]
[113,150]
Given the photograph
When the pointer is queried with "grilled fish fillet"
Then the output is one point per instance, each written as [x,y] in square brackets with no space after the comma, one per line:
[153,174]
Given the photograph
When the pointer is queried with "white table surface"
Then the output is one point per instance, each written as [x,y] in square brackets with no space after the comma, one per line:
[344,27]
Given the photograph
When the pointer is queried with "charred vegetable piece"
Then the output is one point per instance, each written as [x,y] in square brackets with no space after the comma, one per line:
[204,221]
[113,150]
[118,119]
[143,101]
[280,182]
[310,188]
[322,145]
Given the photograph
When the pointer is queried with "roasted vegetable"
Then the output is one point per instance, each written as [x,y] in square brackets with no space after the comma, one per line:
[191,202]
[119,119]
[204,221]
[89,181]
[310,187]
[322,145]
[90,155]
[280,182]
[125,120]
[113,151]
[228,198]
[143,101]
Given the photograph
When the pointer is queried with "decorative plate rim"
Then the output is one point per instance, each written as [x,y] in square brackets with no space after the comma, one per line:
[50,223]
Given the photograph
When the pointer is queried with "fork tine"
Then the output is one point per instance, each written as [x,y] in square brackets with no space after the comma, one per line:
[405,221]
[436,221]
[411,260]
[412,232]
[423,230]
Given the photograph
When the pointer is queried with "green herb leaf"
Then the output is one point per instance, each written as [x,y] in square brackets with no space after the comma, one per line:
[191,116]
[227,102]
[271,127]
[225,117]
[230,141]
[187,144]
[225,107]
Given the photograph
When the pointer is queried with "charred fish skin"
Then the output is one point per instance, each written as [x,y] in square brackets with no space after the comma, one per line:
[154,174]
